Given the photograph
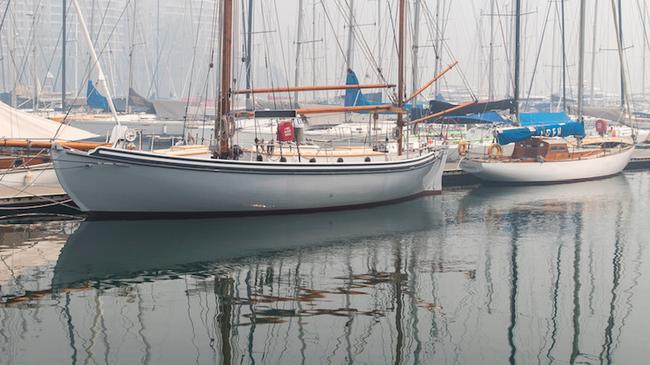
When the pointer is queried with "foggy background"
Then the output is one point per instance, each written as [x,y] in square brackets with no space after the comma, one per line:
[175,41]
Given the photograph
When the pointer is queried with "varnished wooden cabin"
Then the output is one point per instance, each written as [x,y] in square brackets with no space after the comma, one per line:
[551,149]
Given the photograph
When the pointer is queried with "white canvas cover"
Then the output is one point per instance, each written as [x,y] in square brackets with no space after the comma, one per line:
[18,124]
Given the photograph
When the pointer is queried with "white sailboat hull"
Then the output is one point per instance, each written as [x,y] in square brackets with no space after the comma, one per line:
[32,181]
[548,172]
[117,182]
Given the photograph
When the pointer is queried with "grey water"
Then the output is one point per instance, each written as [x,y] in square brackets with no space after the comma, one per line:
[493,275]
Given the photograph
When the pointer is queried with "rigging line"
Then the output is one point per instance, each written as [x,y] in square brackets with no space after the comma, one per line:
[644,17]
[4,15]
[101,25]
[284,60]
[90,69]
[505,47]
[267,55]
[539,52]
[363,43]
[196,44]
[329,20]
[446,48]
[213,38]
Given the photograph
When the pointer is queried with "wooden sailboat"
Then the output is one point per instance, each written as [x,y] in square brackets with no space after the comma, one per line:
[125,183]
[540,155]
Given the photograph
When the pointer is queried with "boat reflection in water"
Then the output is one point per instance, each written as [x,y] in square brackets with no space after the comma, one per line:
[105,250]
[521,275]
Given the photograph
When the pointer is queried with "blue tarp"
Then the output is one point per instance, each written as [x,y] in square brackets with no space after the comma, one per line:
[486,118]
[513,135]
[539,119]
[95,100]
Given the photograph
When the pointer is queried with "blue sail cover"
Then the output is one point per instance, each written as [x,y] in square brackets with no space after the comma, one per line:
[539,119]
[513,135]
[94,99]
[480,118]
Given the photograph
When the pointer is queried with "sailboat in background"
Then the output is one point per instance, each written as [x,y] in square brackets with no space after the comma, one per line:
[541,154]
[25,162]
[191,180]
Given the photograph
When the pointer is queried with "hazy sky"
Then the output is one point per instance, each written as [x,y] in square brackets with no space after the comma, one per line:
[467,36]
[184,56]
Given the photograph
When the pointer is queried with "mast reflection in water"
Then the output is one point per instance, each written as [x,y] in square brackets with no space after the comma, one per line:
[520,275]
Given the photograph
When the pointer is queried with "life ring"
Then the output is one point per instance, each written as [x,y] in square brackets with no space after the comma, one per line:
[463,148]
[495,151]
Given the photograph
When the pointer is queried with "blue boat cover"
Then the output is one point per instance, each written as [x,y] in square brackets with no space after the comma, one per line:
[538,119]
[94,99]
[513,135]
[479,118]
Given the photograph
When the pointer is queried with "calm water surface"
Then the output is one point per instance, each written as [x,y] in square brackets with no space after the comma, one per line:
[554,274]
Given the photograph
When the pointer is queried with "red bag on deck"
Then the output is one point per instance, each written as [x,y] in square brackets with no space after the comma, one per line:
[286,133]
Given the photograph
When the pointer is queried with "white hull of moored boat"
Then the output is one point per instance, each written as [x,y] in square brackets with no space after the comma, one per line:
[117,182]
[29,181]
[548,172]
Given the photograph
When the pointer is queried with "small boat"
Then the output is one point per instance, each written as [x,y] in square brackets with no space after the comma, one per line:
[544,160]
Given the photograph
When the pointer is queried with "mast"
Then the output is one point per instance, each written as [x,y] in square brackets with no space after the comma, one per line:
[517,55]
[64,43]
[157,72]
[622,48]
[379,40]
[563,57]
[625,107]
[127,109]
[313,47]
[645,45]
[249,53]
[349,54]
[593,53]
[491,60]
[416,39]
[400,73]
[438,51]
[12,57]
[581,60]
[298,50]
[34,63]
[224,121]
[101,77]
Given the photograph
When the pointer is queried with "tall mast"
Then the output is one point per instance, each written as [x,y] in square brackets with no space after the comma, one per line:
[313,47]
[34,63]
[593,53]
[416,39]
[491,60]
[400,74]
[298,50]
[157,71]
[101,77]
[517,55]
[131,52]
[622,47]
[380,59]
[12,57]
[349,54]
[581,60]
[563,24]
[224,121]
[645,45]
[438,51]
[625,107]
[249,54]
[64,43]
